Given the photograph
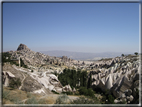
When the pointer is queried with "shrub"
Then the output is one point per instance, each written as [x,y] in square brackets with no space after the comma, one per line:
[136,53]
[122,55]
[110,99]
[32,100]
[28,95]
[91,93]
[15,83]
[107,98]
[83,100]
[42,101]
[5,94]
[68,93]
[62,99]
[15,100]
[32,71]
[83,91]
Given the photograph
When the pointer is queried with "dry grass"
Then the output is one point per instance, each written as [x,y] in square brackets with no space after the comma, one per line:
[47,101]
[16,96]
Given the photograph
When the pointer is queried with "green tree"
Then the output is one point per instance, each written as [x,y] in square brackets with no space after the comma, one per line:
[91,93]
[89,81]
[136,53]
[110,99]
[122,55]
[83,91]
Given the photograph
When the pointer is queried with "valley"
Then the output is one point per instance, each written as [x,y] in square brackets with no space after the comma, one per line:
[63,80]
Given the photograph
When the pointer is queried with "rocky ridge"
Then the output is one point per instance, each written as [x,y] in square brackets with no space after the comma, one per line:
[38,61]
[119,75]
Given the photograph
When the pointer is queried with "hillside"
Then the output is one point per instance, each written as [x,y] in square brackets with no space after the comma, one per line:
[115,80]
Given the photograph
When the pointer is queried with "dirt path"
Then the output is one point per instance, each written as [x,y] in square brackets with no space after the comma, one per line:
[22,81]
[55,96]
[52,97]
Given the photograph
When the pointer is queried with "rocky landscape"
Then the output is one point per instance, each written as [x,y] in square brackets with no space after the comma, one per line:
[119,75]
[36,73]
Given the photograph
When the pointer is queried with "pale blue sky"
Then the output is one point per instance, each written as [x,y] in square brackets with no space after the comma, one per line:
[79,27]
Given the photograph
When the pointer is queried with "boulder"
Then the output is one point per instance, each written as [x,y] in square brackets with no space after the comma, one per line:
[128,92]
[67,88]
[130,98]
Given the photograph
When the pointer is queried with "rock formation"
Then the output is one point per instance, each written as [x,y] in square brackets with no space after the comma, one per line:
[22,47]
[119,75]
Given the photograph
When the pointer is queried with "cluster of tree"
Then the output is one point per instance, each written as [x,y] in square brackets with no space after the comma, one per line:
[108,98]
[6,58]
[136,97]
[73,77]
[87,92]
[136,53]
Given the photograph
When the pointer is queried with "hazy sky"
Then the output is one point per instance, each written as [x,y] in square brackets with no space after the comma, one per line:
[79,27]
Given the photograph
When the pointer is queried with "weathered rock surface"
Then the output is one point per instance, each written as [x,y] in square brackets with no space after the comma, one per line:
[42,83]
[119,75]
[67,88]
[22,47]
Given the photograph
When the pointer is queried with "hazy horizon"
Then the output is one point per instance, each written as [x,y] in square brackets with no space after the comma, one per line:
[45,50]
[76,27]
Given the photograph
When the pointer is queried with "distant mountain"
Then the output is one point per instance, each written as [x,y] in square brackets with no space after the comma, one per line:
[82,55]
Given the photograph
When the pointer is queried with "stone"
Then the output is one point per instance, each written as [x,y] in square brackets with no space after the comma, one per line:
[67,88]
[74,90]
[123,95]
[128,92]
[22,47]
[116,101]
[6,77]
[131,98]
[108,84]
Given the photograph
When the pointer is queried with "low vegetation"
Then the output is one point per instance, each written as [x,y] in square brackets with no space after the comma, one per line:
[16,96]
[6,57]
[84,100]
[15,83]
[63,99]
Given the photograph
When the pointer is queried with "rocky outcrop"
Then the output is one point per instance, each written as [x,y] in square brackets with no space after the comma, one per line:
[67,88]
[119,75]
[22,47]
[6,77]
[38,82]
